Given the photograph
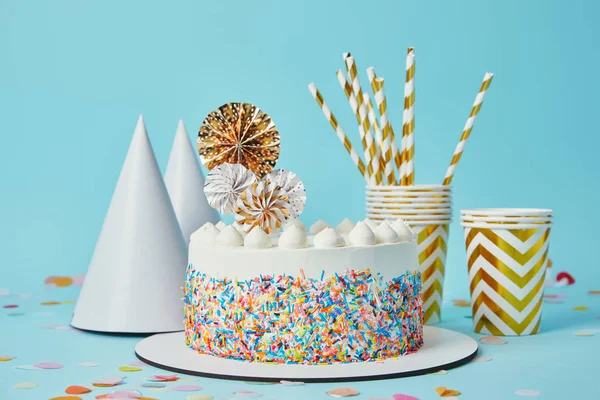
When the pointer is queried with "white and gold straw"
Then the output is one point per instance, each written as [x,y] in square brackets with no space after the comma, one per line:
[338,129]
[368,142]
[372,160]
[378,136]
[408,123]
[487,80]
[390,148]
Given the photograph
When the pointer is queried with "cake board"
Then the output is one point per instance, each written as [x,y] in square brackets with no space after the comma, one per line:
[443,349]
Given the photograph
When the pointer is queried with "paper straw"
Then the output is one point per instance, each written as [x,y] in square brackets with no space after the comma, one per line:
[371,160]
[338,129]
[408,124]
[368,142]
[390,148]
[378,136]
[487,80]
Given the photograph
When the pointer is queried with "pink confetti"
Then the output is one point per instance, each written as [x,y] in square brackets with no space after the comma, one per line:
[78,279]
[125,394]
[527,392]
[247,393]
[492,340]
[10,306]
[48,365]
[186,388]
[139,364]
[400,396]
[163,378]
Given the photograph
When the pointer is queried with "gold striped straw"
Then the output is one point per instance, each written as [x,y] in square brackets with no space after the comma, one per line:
[390,150]
[368,142]
[376,178]
[378,136]
[408,124]
[338,129]
[487,80]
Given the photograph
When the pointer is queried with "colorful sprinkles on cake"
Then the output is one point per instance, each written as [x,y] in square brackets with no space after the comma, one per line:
[349,317]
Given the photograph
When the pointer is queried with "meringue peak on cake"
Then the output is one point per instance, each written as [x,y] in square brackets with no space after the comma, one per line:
[257,239]
[361,235]
[345,227]
[372,224]
[328,237]
[230,237]
[385,234]
[293,237]
[220,225]
[318,227]
[206,235]
[405,234]
[295,222]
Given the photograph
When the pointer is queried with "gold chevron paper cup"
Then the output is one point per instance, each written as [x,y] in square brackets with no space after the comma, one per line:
[506,276]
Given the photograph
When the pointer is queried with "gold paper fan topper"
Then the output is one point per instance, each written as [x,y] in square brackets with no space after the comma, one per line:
[239,133]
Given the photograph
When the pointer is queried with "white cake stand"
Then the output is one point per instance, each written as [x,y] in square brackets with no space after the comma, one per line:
[443,349]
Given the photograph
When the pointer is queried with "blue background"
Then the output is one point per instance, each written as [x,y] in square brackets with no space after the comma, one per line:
[75,75]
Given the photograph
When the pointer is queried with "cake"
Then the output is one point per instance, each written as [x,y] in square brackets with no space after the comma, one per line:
[350,294]
[266,289]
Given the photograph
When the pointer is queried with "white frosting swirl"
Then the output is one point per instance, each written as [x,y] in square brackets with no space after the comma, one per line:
[372,224]
[239,228]
[405,234]
[361,235]
[257,239]
[345,227]
[293,238]
[295,222]
[230,237]
[328,237]
[318,227]
[206,235]
[385,234]
[220,225]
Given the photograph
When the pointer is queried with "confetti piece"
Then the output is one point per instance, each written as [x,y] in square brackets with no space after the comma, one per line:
[107,382]
[291,383]
[138,364]
[594,292]
[343,392]
[126,394]
[25,385]
[28,367]
[492,340]
[10,306]
[440,372]
[127,368]
[200,397]
[48,365]
[66,398]
[580,308]
[482,359]
[88,364]
[153,384]
[163,378]
[555,295]
[6,358]
[400,396]
[186,388]
[50,303]
[468,316]
[584,333]
[445,392]
[63,281]
[552,300]
[15,314]
[77,390]
[461,303]
[527,392]
[247,393]
[4,292]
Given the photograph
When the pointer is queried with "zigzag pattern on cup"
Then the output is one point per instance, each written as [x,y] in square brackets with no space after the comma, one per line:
[432,249]
[506,277]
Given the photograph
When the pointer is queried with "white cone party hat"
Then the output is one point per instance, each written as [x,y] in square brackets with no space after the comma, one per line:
[134,280]
[185,184]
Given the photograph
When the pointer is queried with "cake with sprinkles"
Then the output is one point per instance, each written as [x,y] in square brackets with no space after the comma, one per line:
[265,290]
[332,295]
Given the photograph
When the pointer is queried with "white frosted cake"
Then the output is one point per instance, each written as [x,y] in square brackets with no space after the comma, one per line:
[349,294]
